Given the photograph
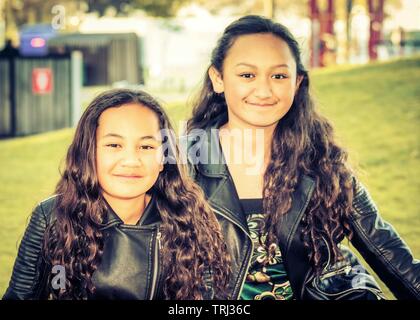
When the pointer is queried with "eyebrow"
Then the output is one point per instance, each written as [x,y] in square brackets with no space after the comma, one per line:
[115,135]
[283,65]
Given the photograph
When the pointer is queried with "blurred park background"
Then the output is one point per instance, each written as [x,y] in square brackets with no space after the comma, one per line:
[55,56]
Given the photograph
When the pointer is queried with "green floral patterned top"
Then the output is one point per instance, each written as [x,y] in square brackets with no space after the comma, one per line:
[266,278]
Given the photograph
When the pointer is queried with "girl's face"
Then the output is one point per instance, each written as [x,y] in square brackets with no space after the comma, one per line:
[258,79]
[128,151]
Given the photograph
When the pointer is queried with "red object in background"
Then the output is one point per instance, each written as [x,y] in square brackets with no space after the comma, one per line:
[42,81]
[322,14]
[376,12]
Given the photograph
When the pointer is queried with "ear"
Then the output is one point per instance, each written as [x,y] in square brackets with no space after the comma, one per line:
[216,80]
[298,82]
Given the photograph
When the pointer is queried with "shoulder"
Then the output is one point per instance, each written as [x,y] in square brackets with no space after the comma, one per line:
[44,209]
[363,203]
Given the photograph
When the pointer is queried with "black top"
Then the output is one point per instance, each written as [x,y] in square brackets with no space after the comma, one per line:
[251,206]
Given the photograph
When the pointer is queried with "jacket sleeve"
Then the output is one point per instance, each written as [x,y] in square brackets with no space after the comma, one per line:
[382,248]
[25,282]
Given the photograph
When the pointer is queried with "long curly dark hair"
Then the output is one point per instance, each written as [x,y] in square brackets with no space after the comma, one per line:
[191,237]
[302,144]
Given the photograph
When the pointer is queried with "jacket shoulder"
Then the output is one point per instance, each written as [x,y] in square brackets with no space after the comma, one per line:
[363,203]
[46,206]
[383,248]
[26,279]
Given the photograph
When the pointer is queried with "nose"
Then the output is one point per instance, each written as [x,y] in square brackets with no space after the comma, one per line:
[263,88]
[131,158]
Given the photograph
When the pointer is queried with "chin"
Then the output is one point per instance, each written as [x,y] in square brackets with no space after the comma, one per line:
[123,193]
[263,123]
[129,196]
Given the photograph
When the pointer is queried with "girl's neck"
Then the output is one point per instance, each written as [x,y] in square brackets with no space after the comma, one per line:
[128,210]
[248,141]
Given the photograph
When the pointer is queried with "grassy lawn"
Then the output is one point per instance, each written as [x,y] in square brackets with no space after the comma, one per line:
[375,110]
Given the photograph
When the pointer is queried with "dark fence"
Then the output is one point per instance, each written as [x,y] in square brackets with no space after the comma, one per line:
[107,58]
[26,107]
[5,105]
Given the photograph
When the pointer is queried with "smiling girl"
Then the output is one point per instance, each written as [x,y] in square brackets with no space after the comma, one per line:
[279,183]
[126,221]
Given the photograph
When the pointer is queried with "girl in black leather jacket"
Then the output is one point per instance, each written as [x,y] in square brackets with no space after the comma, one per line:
[126,221]
[279,183]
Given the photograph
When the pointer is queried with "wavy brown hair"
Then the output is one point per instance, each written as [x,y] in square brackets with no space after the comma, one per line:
[303,144]
[191,238]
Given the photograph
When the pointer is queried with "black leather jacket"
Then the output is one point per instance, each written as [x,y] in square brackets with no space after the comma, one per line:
[375,239]
[129,268]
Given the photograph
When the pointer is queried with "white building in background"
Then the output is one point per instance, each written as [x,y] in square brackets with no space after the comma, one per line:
[177,51]
[407,17]
[399,23]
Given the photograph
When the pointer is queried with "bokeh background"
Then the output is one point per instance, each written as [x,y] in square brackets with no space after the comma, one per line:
[55,56]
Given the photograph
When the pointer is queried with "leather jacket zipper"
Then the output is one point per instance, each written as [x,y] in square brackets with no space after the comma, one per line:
[345,269]
[157,247]
[249,255]
[378,294]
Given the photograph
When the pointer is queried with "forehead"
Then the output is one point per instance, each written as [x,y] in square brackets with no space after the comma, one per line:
[128,119]
[259,49]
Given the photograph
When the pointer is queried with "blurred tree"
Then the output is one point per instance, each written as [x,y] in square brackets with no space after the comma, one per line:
[161,8]
[343,10]
[20,12]
[377,14]
[264,7]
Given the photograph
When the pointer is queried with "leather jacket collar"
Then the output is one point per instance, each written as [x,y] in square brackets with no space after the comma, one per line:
[149,217]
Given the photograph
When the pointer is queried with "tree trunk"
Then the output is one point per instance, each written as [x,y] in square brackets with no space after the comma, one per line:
[376,14]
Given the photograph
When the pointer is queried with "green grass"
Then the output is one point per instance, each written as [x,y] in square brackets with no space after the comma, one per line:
[28,173]
[375,110]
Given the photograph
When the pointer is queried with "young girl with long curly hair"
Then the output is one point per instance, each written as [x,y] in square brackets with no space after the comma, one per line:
[126,221]
[279,183]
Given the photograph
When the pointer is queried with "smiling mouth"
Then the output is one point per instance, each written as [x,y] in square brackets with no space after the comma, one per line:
[263,105]
[128,176]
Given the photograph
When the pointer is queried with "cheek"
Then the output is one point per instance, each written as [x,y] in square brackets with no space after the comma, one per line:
[286,92]
[153,163]
[104,163]
[235,92]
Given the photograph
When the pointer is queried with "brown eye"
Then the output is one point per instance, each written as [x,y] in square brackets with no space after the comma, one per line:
[147,147]
[279,76]
[247,75]
[113,145]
